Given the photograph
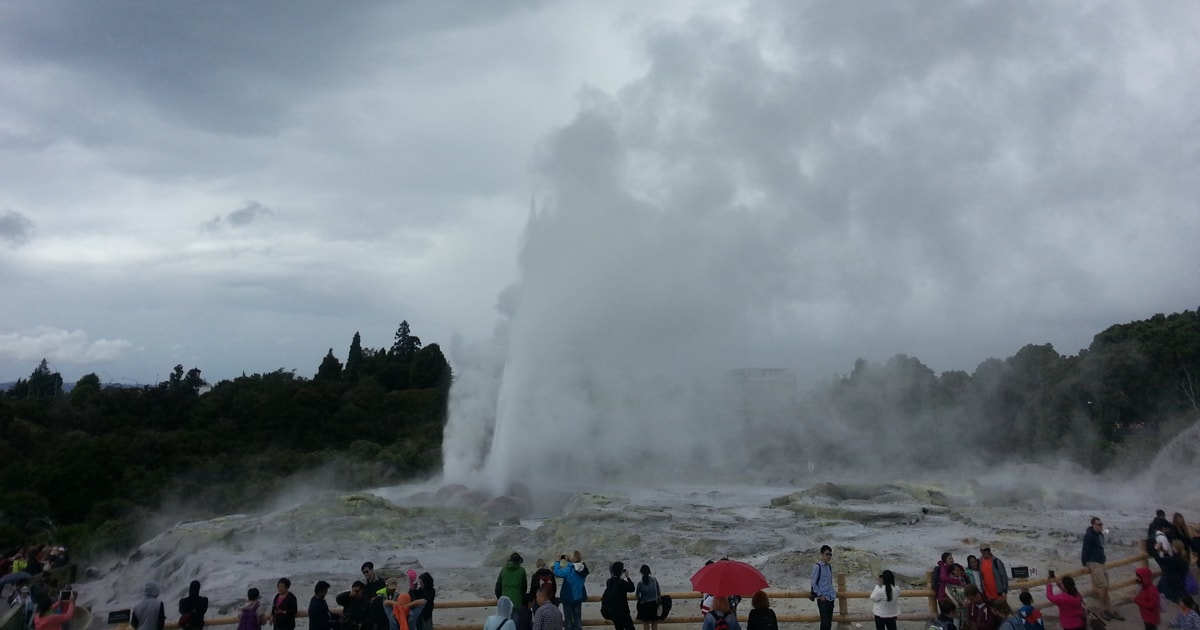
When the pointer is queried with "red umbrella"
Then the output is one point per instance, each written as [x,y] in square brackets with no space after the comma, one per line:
[729,577]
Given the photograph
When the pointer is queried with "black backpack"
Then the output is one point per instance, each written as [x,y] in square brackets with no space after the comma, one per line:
[664,606]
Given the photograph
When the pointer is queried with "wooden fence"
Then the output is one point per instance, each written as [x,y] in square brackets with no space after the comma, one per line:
[787,604]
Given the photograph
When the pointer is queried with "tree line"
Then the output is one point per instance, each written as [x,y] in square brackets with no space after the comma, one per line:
[84,467]
[1130,390]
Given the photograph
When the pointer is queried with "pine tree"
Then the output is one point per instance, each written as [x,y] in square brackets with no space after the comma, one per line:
[330,369]
[354,360]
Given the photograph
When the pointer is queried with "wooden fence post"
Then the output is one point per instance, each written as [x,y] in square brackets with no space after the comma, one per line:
[933,603]
[843,607]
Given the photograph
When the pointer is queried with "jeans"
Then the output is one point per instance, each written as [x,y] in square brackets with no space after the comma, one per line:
[825,607]
[572,615]
[882,623]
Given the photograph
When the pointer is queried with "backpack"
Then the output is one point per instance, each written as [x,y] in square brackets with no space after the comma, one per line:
[664,606]
[543,580]
[720,624]
[935,582]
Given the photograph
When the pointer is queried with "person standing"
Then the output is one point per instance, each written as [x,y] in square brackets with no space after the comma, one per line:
[1093,558]
[574,589]
[284,606]
[541,577]
[946,577]
[722,614]
[547,615]
[356,607]
[821,585]
[992,573]
[512,579]
[615,599]
[319,617]
[1147,599]
[192,608]
[427,592]
[761,617]
[1071,613]
[251,616]
[46,619]
[885,601]
[647,595]
[149,614]
[503,619]
[979,614]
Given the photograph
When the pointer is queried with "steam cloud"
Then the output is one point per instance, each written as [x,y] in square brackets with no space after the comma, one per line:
[803,186]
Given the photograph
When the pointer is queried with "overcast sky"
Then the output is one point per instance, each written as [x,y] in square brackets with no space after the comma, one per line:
[241,186]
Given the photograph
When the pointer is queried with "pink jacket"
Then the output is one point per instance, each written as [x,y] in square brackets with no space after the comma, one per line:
[54,622]
[1070,608]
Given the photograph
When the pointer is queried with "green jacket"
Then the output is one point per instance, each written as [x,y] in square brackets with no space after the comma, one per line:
[512,582]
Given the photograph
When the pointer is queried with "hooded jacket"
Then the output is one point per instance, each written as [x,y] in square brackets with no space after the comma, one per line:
[511,582]
[1147,598]
[502,620]
[148,614]
[573,574]
[194,606]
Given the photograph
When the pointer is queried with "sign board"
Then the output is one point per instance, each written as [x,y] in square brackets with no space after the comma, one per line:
[118,617]
[1020,573]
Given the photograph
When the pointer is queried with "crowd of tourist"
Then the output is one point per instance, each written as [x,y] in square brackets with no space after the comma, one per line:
[970,597]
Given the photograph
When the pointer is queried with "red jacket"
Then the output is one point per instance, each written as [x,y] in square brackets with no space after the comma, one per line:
[1147,598]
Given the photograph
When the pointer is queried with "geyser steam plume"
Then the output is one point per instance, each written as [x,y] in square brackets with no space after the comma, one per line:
[813,183]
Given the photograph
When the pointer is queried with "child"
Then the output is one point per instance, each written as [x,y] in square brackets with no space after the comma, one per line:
[1030,615]
[1147,599]
[945,618]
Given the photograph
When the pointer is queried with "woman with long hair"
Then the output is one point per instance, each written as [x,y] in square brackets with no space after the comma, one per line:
[1174,566]
[647,593]
[46,619]
[1071,613]
[973,571]
[885,601]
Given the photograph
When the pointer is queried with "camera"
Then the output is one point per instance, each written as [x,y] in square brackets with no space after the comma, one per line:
[1051,574]
[65,595]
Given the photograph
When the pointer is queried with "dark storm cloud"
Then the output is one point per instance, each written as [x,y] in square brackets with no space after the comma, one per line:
[15,228]
[227,68]
[250,212]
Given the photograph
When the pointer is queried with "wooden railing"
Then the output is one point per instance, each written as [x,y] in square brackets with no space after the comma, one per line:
[685,608]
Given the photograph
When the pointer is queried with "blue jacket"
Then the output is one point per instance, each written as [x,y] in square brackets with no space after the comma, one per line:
[573,589]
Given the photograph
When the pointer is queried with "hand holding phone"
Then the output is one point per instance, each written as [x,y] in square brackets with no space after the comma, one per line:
[1051,574]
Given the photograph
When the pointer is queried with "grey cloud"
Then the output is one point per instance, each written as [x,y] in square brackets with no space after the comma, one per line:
[15,227]
[231,69]
[250,212]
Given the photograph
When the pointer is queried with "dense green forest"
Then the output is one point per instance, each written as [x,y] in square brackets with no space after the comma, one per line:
[86,466]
